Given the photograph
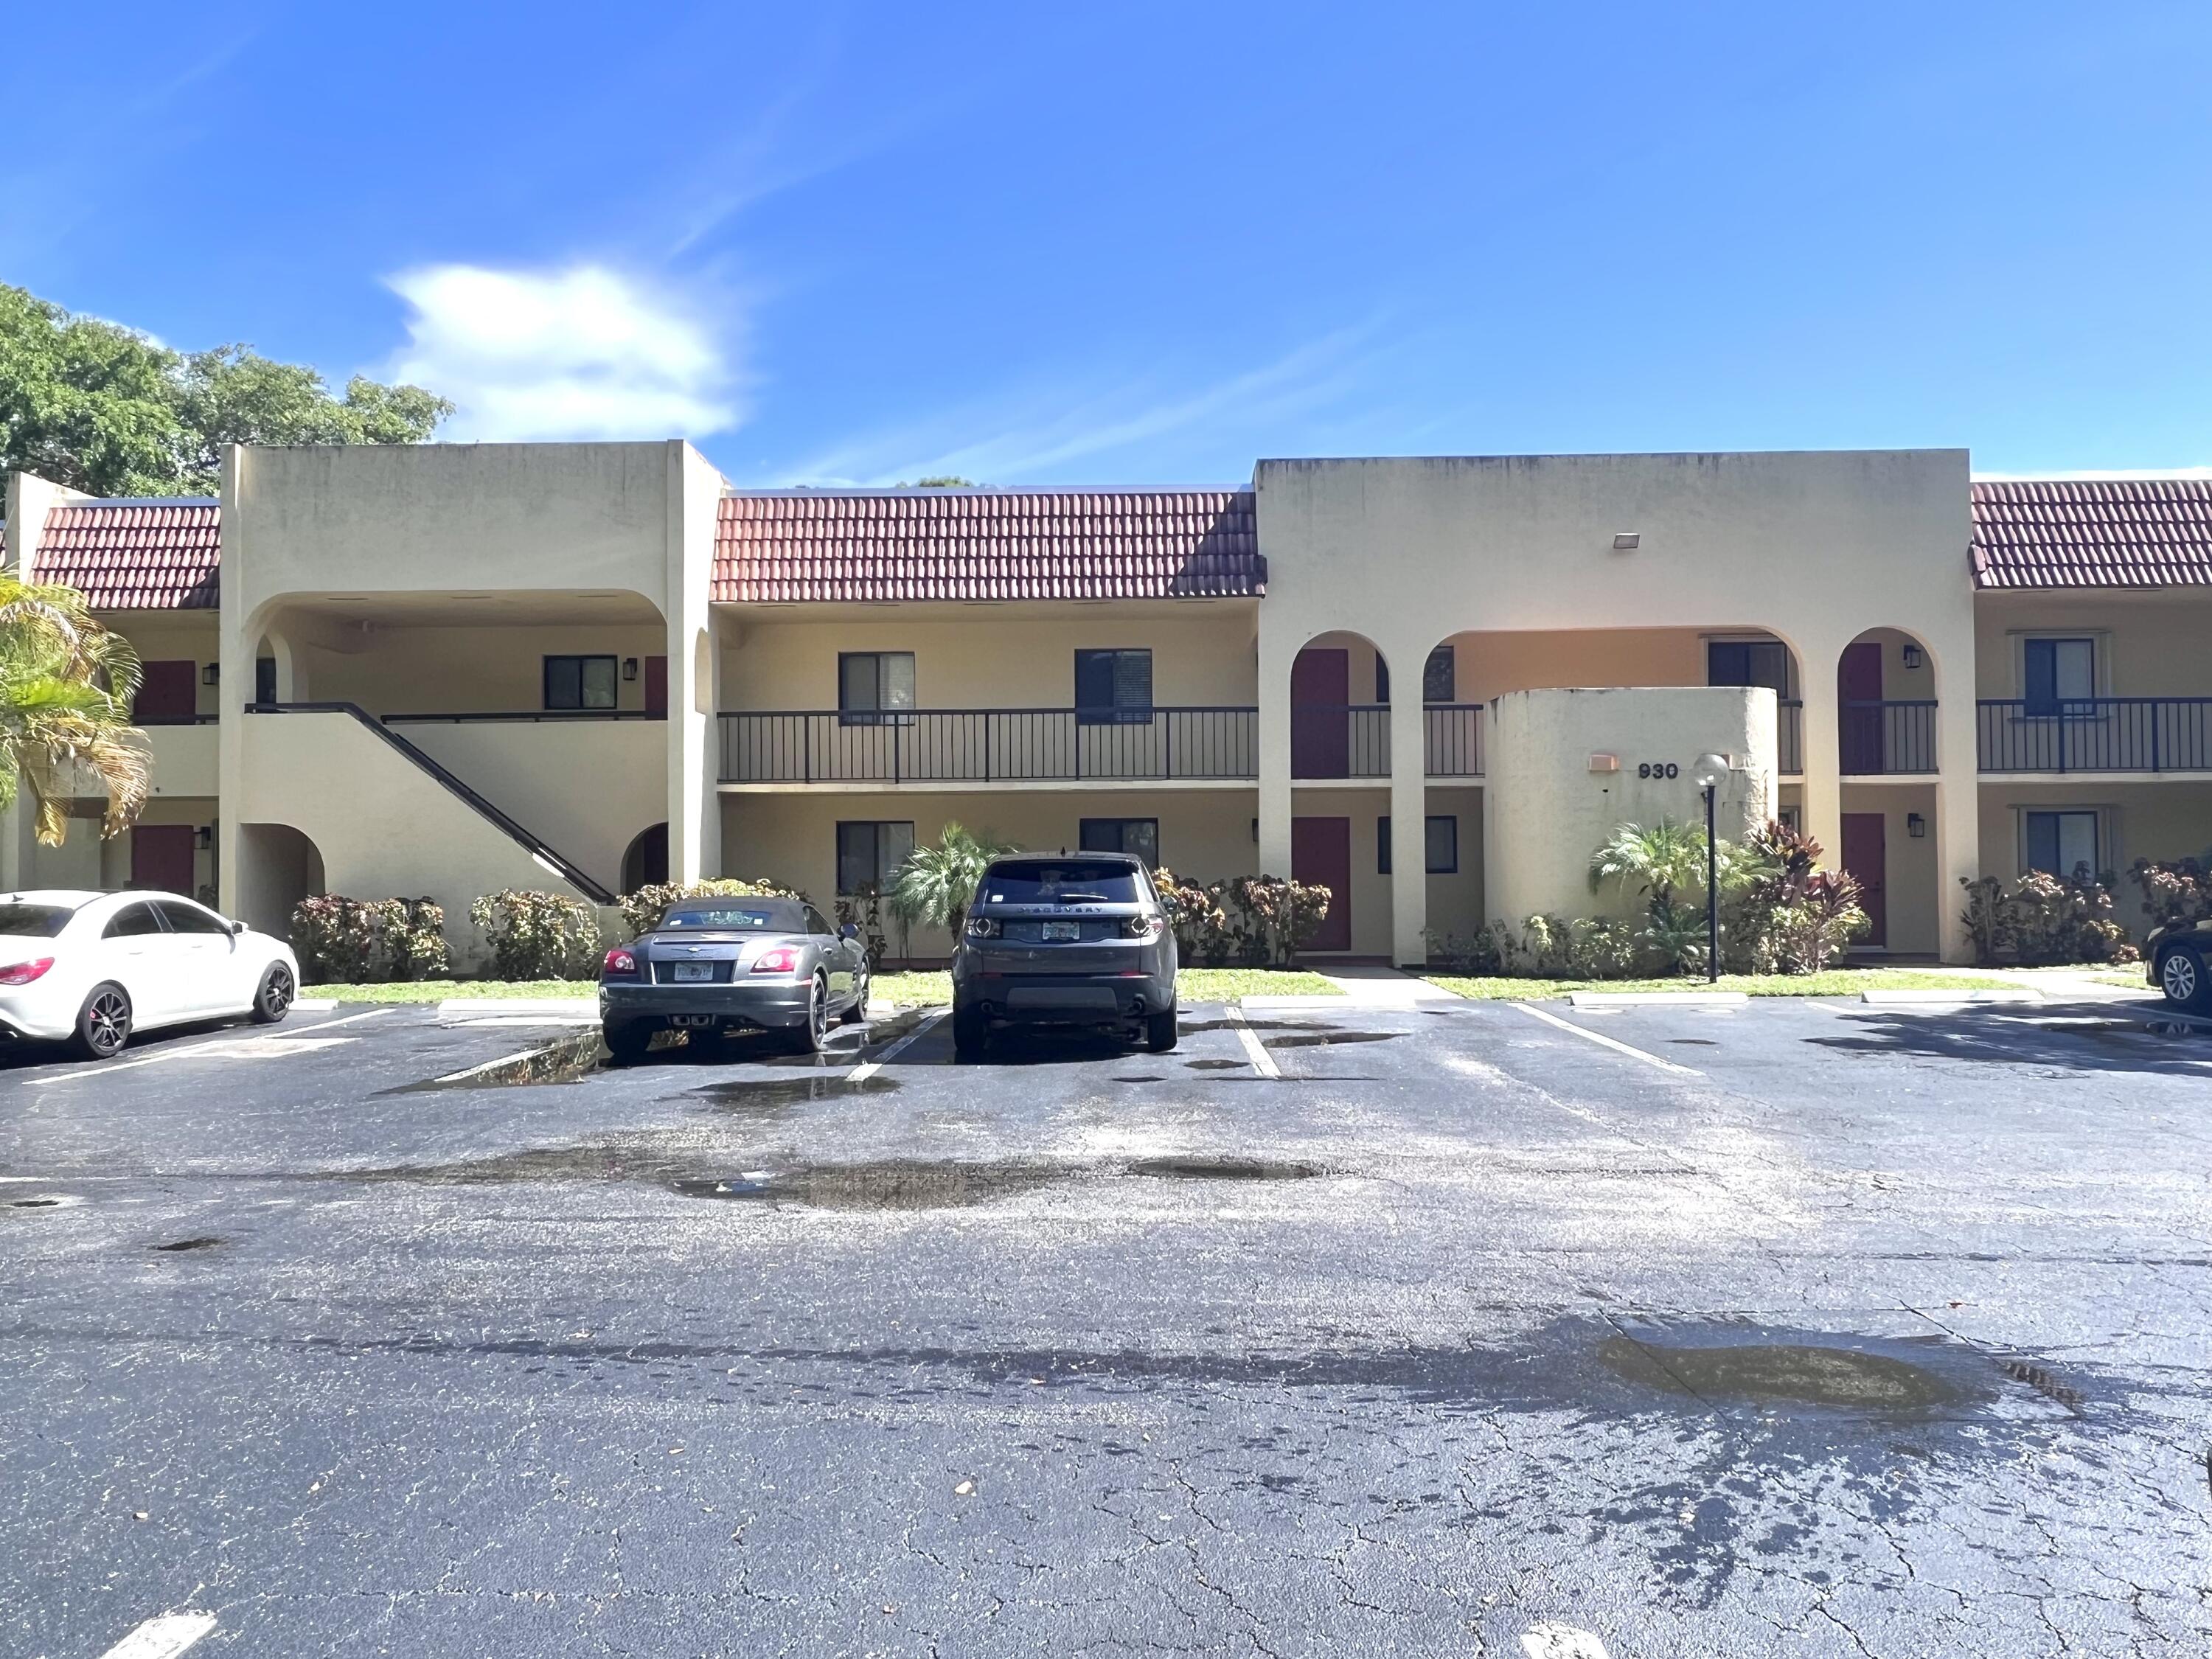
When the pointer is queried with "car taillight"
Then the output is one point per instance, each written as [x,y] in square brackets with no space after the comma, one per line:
[619,963]
[1141,927]
[23,973]
[984,927]
[783,959]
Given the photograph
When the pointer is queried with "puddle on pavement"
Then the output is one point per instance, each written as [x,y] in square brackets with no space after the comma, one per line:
[1216,1064]
[1224,1169]
[567,1060]
[777,1099]
[186,1244]
[1694,1042]
[35,1203]
[1801,1372]
[892,1184]
[1317,1039]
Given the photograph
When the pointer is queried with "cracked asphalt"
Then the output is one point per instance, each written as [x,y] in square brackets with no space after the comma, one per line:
[1858,1332]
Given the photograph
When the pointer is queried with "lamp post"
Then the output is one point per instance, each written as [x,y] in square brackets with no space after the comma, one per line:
[1707,774]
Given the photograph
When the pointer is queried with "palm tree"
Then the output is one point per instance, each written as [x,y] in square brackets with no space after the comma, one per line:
[1661,861]
[935,885]
[65,689]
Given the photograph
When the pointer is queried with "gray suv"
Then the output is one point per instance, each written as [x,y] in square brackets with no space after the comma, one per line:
[1064,939]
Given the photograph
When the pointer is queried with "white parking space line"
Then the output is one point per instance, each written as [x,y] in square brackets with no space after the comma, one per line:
[1605,1042]
[163,1637]
[1255,1050]
[868,1068]
[224,1048]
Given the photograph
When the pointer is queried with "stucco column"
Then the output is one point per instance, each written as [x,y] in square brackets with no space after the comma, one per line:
[235,651]
[695,807]
[1822,749]
[1409,807]
[1274,738]
[1957,798]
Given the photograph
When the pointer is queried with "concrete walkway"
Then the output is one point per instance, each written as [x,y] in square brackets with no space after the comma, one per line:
[1386,988]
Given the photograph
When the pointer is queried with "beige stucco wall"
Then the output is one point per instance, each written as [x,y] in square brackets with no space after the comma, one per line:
[1455,900]
[400,669]
[115,854]
[1547,812]
[2154,819]
[1911,882]
[1205,835]
[588,787]
[2151,645]
[193,637]
[186,759]
[1813,548]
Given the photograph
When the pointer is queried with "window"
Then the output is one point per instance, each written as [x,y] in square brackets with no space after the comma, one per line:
[579,682]
[1052,881]
[869,854]
[1113,688]
[1749,662]
[132,922]
[184,918]
[763,916]
[816,922]
[1439,677]
[33,920]
[1140,836]
[872,682]
[1787,816]
[265,679]
[2058,671]
[2062,843]
[1440,832]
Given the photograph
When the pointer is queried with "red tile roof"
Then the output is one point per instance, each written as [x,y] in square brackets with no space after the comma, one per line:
[987,545]
[2104,532]
[134,555]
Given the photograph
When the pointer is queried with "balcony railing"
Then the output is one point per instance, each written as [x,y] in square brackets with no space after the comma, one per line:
[2095,734]
[1339,740]
[990,745]
[1451,739]
[1790,739]
[1879,739]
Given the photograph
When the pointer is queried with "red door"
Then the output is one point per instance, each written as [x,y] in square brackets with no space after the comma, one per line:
[656,686]
[162,857]
[167,693]
[1858,680]
[1321,851]
[1866,858]
[1321,689]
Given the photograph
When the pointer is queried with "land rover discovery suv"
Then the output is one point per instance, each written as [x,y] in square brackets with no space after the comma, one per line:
[1064,939]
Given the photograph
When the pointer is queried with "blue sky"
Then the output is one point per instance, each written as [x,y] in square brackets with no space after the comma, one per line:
[1147,244]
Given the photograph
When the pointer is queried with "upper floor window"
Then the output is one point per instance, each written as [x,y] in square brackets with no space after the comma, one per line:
[579,682]
[871,684]
[1138,835]
[2058,671]
[1749,662]
[1113,688]
[1439,677]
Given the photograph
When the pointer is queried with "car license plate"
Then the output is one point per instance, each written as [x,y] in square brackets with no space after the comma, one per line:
[691,972]
[1058,930]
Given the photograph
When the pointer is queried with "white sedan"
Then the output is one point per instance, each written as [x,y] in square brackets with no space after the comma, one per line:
[89,968]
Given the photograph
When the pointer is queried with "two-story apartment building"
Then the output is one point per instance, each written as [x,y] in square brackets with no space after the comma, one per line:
[452,669]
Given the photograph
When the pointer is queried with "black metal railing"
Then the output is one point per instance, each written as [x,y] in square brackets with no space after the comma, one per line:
[144,720]
[1451,739]
[567,868]
[2095,734]
[533,716]
[1885,737]
[1339,740]
[1790,737]
[989,746]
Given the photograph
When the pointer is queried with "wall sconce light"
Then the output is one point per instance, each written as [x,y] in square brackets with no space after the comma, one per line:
[212,674]
[629,668]
[1914,656]
[1915,825]
[1627,541]
[203,837]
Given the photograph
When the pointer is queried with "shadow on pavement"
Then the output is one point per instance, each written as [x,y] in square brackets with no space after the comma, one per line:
[2086,1036]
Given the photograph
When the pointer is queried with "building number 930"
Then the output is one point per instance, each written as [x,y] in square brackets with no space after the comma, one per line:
[1658,769]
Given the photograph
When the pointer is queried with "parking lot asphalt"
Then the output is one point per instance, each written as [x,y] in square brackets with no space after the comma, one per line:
[1465,1328]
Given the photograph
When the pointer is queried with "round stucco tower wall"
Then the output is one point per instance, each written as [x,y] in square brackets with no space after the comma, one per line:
[1567,768]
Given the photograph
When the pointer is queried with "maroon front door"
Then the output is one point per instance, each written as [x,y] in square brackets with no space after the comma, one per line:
[1858,680]
[1866,859]
[167,693]
[162,857]
[1321,851]
[1321,690]
[656,685]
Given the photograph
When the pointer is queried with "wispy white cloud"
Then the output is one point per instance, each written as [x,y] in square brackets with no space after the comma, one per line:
[1033,433]
[2093,475]
[580,353]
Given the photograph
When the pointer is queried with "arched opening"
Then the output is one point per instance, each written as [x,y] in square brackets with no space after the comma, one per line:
[1886,705]
[278,866]
[646,862]
[1340,709]
[1887,755]
[1341,767]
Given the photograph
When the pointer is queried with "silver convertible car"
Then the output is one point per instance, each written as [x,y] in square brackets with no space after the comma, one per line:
[732,965]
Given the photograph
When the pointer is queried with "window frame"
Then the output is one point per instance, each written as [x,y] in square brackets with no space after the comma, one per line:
[875,827]
[1083,827]
[1116,713]
[2097,836]
[579,658]
[205,921]
[1429,821]
[1747,644]
[2055,707]
[108,931]
[880,712]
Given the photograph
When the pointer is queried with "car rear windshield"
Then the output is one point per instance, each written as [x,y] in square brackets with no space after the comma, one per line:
[733,918]
[1075,881]
[34,920]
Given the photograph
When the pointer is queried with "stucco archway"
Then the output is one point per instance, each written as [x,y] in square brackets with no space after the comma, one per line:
[645,864]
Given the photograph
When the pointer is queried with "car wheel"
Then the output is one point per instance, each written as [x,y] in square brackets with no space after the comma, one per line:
[814,1036]
[274,999]
[859,1011]
[1160,1032]
[103,1024]
[2181,976]
[627,1040]
[971,1034]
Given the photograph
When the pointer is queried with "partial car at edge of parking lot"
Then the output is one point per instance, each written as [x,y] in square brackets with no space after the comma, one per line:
[2180,957]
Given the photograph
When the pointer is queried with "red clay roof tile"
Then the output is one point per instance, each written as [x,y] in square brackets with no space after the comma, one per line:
[833,546]
[2093,532]
[134,555]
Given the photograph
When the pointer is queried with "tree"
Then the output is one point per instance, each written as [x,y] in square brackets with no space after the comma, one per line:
[948,482]
[65,688]
[1660,862]
[106,410]
[935,885]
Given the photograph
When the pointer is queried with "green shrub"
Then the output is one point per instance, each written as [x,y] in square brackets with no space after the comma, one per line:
[1544,947]
[864,910]
[1781,913]
[536,935]
[348,941]
[642,909]
[2044,919]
